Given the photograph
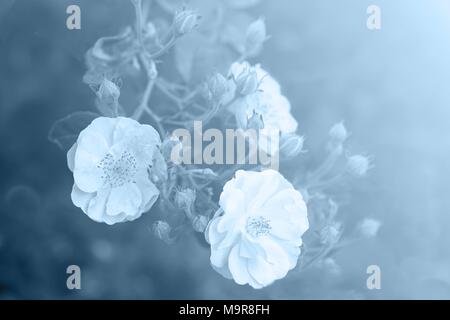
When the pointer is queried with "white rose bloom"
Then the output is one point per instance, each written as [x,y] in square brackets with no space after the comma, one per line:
[110,163]
[267,101]
[257,239]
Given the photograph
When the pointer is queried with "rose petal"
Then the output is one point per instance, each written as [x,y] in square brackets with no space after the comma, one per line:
[97,205]
[87,174]
[238,267]
[81,199]
[149,194]
[71,157]
[124,199]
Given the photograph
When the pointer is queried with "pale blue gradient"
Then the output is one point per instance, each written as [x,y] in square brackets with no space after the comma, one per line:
[391,87]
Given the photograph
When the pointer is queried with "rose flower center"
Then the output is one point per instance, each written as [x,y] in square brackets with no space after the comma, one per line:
[118,171]
[257,226]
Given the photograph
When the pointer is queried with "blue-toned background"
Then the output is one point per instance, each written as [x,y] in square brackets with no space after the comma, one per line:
[392,88]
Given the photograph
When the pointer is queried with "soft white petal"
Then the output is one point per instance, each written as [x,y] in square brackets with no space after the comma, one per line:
[276,256]
[223,271]
[81,199]
[251,258]
[101,127]
[238,267]
[261,270]
[219,257]
[124,199]
[213,235]
[150,194]
[110,220]
[232,203]
[97,206]
[87,174]
[268,186]
[287,214]
[71,157]
[93,143]
[123,128]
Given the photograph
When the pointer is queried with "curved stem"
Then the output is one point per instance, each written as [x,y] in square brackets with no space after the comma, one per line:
[315,176]
[163,50]
[325,183]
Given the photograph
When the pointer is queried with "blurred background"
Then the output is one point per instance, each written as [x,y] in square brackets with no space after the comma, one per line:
[391,87]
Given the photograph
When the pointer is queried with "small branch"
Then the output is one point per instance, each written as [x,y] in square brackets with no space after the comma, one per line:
[325,183]
[139,25]
[175,122]
[178,101]
[211,114]
[145,99]
[163,50]
[157,120]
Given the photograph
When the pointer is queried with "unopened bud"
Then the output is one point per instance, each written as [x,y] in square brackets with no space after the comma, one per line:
[185,21]
[168,147]
[291,145]
[247,81]
[108,90]
[199,223]
[338,132]
[151,69]
[107,101]
[330,234]
[161,230]
[158,171]
[358,165]
[369,227]
[255,37]
[218,89]
[184,199]
[255,122]
[150,30]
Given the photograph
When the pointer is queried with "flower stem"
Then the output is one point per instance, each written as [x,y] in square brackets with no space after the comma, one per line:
[315,176]
[325,183]
[157,121]
[208,116]
[145,98]
[178,101]
[138,9]
[164,49]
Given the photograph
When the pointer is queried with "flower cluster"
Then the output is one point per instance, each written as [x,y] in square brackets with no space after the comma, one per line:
[255,221]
